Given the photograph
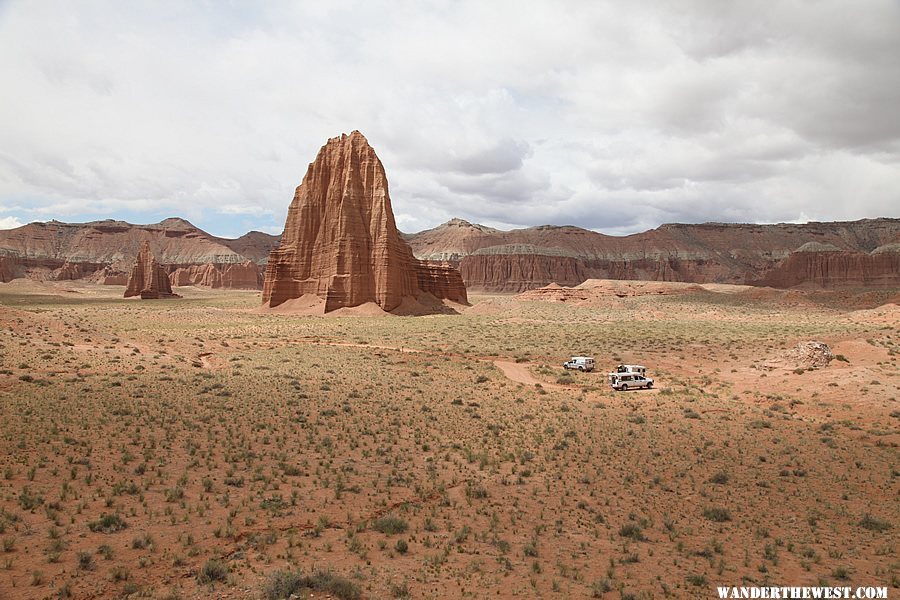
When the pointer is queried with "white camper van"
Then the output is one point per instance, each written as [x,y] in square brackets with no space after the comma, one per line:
[582,363]
[639,369]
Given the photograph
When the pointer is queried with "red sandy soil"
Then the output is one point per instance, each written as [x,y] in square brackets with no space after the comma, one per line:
[267,442]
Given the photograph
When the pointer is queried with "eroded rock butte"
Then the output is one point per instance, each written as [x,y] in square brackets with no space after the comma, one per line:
[341,243]
[148,278]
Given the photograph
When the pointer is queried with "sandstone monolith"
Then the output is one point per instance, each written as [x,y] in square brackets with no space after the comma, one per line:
[341,243]
[148,278]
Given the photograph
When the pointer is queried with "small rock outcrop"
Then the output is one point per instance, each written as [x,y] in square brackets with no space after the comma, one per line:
[148,278]
[805,356]
[341,243]
[810,355]
[600,290]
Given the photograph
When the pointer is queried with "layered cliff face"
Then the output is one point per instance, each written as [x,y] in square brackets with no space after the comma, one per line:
[489,259]
[441,280]
[513,261]
[109,276]
[9,269]
[244,276]
[63,251]
[835,268]
[519,272]
[148,278]
[340,241]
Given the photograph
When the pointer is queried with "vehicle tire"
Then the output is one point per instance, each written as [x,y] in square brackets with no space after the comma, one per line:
[566,367]
[581,369]
[624,388]
[649,385]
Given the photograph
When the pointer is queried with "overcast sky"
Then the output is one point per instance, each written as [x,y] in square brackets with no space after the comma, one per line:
[614,116]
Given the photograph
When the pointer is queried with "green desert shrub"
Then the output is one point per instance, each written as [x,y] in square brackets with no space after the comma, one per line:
[390,525]
[717,514]
[284,584]
[874,524]
[213,570]
[631,530]
[108,524]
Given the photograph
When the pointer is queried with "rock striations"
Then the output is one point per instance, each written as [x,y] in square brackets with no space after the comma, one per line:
[55,251]
[839,254]
[341,244]
[148,278]
[232,276]
[828,268]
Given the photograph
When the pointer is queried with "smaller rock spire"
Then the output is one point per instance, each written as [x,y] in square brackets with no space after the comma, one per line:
[148,278]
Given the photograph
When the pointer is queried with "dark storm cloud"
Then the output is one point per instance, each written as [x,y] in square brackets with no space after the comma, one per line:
[616,116]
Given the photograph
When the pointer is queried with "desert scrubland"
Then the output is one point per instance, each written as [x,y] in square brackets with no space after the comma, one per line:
[197,448]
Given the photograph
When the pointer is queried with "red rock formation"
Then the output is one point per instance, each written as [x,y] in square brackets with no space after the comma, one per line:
[148,278]
[244,276]
[75,270]
[108,276]
[711,252]
[9,268]
[191,275]
[830,268]
[493,260]
[56,250]
[441,280]
[519,272]
[340,242]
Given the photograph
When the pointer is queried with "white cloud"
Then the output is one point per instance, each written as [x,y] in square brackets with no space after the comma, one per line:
[241,209]
[608,115]
[10,223]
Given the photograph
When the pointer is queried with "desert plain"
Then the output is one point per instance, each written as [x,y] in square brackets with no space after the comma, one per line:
[198,448]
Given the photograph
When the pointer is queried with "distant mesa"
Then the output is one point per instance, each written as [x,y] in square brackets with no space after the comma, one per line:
[148,278]
[456,255]
[828,255]
[833,267]
[341,244]
[103,252]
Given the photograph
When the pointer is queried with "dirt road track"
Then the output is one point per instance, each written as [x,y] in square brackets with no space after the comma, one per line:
[519,372]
